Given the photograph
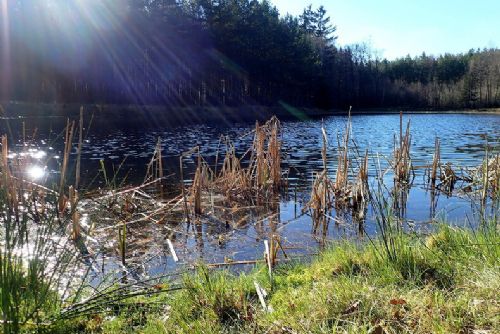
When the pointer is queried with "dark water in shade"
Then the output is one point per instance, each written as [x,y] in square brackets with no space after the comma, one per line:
[463,141]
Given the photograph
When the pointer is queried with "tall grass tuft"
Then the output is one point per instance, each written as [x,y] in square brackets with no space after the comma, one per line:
[38,263]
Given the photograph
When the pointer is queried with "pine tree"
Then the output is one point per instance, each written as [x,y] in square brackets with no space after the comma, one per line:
[324,28]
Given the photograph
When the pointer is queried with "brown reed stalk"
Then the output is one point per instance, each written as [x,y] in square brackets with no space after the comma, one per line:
[264,169]
[435,162]
[67,150]
[267,256]
[261,163]
[495,181]
[361,187]
[122,243]
[181,171]
[75,216]
[324,189]
[197,183]
[5,162]
[324,147]
[342,175]
[233,177]
[274,152]
[159,164]
[274,247]
[485,180]
[79,150]
[8,181]
[321,199]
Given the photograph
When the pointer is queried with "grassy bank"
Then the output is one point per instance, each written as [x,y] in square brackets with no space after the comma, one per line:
[444,283]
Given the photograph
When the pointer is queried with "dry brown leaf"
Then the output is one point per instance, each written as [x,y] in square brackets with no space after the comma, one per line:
[397,301]
[378,329]
[353,307]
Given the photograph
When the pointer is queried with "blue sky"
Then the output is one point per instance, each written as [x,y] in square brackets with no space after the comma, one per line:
[396,28]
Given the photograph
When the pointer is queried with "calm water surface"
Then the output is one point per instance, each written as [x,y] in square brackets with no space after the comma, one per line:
[463,141]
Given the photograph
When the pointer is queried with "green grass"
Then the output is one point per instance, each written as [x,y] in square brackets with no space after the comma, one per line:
[444,283]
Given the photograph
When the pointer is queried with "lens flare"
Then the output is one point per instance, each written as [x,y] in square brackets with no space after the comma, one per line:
[36,172]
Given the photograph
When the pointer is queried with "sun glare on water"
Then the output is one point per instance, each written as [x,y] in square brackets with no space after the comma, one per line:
[36,172]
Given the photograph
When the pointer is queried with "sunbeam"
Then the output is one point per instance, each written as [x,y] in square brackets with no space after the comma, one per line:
[4,48]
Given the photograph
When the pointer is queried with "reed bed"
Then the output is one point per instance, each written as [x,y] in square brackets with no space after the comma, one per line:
[344,193]
[262,177]
[226,198]
[481,181]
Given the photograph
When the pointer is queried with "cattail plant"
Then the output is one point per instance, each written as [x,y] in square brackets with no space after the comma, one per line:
[265,162]
[361,191]
[402,160]
[321,194]
[341,187]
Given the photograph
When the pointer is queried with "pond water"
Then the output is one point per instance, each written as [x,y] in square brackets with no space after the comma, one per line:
[127,152]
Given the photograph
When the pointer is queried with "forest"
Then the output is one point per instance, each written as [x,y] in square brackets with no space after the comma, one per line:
[220,53]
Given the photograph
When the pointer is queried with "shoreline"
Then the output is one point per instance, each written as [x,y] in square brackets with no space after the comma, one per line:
[445,282]
[137,117]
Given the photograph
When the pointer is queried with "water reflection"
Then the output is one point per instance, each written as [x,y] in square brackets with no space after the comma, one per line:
[240,235]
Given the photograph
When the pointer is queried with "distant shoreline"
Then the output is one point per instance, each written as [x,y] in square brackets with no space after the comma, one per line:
[489,111]
[160,116]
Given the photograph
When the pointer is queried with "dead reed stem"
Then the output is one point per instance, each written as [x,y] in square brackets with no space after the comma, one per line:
[79,150]
[485,181]
[274,151]
[159,166]
[267,256]
[361,191]
[181,171]
[7,176]
[435,162]
[197,183]
[75,217]
[67,150]
[324,147]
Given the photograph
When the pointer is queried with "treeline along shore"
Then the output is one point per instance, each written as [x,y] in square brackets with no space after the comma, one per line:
[200,54]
